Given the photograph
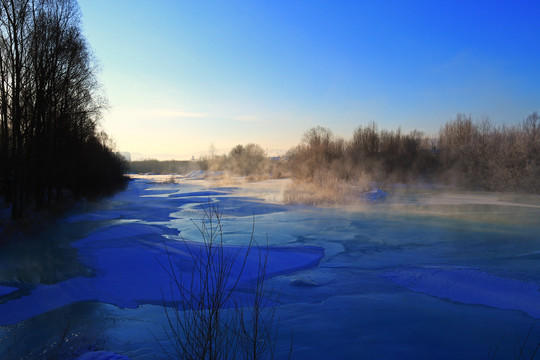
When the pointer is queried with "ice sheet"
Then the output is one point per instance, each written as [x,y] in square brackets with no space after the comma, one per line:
[470,286]
[339,305]
[4,290]
[101,355]
[129,259]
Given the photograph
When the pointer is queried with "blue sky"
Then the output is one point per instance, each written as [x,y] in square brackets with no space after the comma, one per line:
[182,75]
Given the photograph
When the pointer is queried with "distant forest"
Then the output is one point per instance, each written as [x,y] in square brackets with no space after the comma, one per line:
[152,166]
[50,106]
[465,154]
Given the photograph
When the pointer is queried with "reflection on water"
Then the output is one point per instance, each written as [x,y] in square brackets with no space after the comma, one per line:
[422,275]
[60,334]
[45,260]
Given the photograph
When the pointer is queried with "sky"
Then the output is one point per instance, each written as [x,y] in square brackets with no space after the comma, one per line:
[184,76]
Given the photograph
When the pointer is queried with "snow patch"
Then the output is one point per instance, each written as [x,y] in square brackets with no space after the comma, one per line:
[196,175]
[202,174]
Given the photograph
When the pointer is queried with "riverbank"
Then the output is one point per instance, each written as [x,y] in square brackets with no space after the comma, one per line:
[34,221]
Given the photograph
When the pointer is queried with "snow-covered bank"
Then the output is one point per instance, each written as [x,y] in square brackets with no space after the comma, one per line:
[269,190]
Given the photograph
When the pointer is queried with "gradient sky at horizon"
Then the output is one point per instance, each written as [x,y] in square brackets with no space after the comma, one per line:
[182,75]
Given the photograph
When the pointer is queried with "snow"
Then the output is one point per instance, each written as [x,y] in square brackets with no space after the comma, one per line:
[196,175]
[202,174]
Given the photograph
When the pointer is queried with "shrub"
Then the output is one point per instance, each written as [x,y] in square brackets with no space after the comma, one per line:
[472,155]
[208,318]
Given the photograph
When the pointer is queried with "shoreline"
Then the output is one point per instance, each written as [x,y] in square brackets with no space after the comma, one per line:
[271,190]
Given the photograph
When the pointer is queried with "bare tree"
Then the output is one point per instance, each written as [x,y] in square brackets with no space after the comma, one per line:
[49,104]
[208,317]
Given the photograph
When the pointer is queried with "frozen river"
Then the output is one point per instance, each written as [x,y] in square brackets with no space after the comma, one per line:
[421,275]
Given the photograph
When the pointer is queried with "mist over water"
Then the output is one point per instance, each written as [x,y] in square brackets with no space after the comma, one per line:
[422,274]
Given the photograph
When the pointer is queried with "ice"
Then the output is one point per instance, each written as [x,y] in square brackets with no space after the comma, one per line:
[420,275]
[240,207]
[375,195]
[4,290]
[207,193]
[129,262]
[470,286]
[101,355]
[317,279]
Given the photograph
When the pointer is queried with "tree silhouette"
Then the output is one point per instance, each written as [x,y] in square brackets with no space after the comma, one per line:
[49,107]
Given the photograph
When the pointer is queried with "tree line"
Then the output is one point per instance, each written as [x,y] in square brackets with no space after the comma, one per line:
[50,106]
[242,160]
[466,153]
[153,166]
